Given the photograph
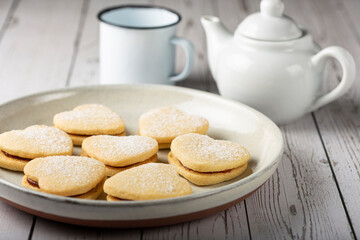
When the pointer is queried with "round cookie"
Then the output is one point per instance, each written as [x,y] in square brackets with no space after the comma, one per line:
[120,153]
[205,161]
[87,120]
[147,182]
[164,124]
[18,147]
[65,176]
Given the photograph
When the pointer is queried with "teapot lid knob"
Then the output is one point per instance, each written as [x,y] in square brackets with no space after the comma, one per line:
[274,8]
[270,24]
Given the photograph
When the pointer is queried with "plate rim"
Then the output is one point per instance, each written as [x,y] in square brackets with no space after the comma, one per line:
[145,203]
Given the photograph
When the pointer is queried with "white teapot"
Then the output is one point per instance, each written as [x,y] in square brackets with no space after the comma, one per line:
[272,65]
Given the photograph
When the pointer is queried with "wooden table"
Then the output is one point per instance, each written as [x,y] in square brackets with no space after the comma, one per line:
[313,194]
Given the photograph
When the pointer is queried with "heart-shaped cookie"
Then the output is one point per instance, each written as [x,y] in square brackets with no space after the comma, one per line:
[90,119]
[205,161]
[146,182]
[204,154]
[165,124]
[36,141]
[65,176]
[120,151]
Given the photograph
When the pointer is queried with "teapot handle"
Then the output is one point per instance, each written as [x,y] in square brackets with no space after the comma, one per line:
[348,66]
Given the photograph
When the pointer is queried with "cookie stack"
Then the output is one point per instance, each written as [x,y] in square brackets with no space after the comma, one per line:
[205,161]
[18,147]
[68,176]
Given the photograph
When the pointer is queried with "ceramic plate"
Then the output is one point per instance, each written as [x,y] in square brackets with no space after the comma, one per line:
[229,120]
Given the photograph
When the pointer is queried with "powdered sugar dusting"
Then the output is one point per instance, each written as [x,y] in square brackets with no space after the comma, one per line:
[156,179]
[89,115]
[117,149]
[78,171]
[162,122]
[203,147]
[44,139]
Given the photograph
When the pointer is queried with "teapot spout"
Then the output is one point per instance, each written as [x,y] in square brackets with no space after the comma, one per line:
[217,36]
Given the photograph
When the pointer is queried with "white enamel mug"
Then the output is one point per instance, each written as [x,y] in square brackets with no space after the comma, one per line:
[137,45]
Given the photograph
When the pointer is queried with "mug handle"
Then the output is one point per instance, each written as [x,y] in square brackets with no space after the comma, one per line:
[189,55]
[348,66]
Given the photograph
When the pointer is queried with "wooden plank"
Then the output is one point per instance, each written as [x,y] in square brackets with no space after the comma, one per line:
[336,23]
[14,224]
[7,8]
[301,200]
[339,123]
[86,68]
[230,224]
[191,28]
[46,229]
[36,51]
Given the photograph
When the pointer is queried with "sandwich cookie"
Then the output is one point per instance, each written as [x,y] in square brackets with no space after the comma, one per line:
[18,147]
[87,120]
[146,182]
[165,124]
[69,176]
[205,161]
[120,153]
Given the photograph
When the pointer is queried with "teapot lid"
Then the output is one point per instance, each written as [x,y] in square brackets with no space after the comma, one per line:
[269,24]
